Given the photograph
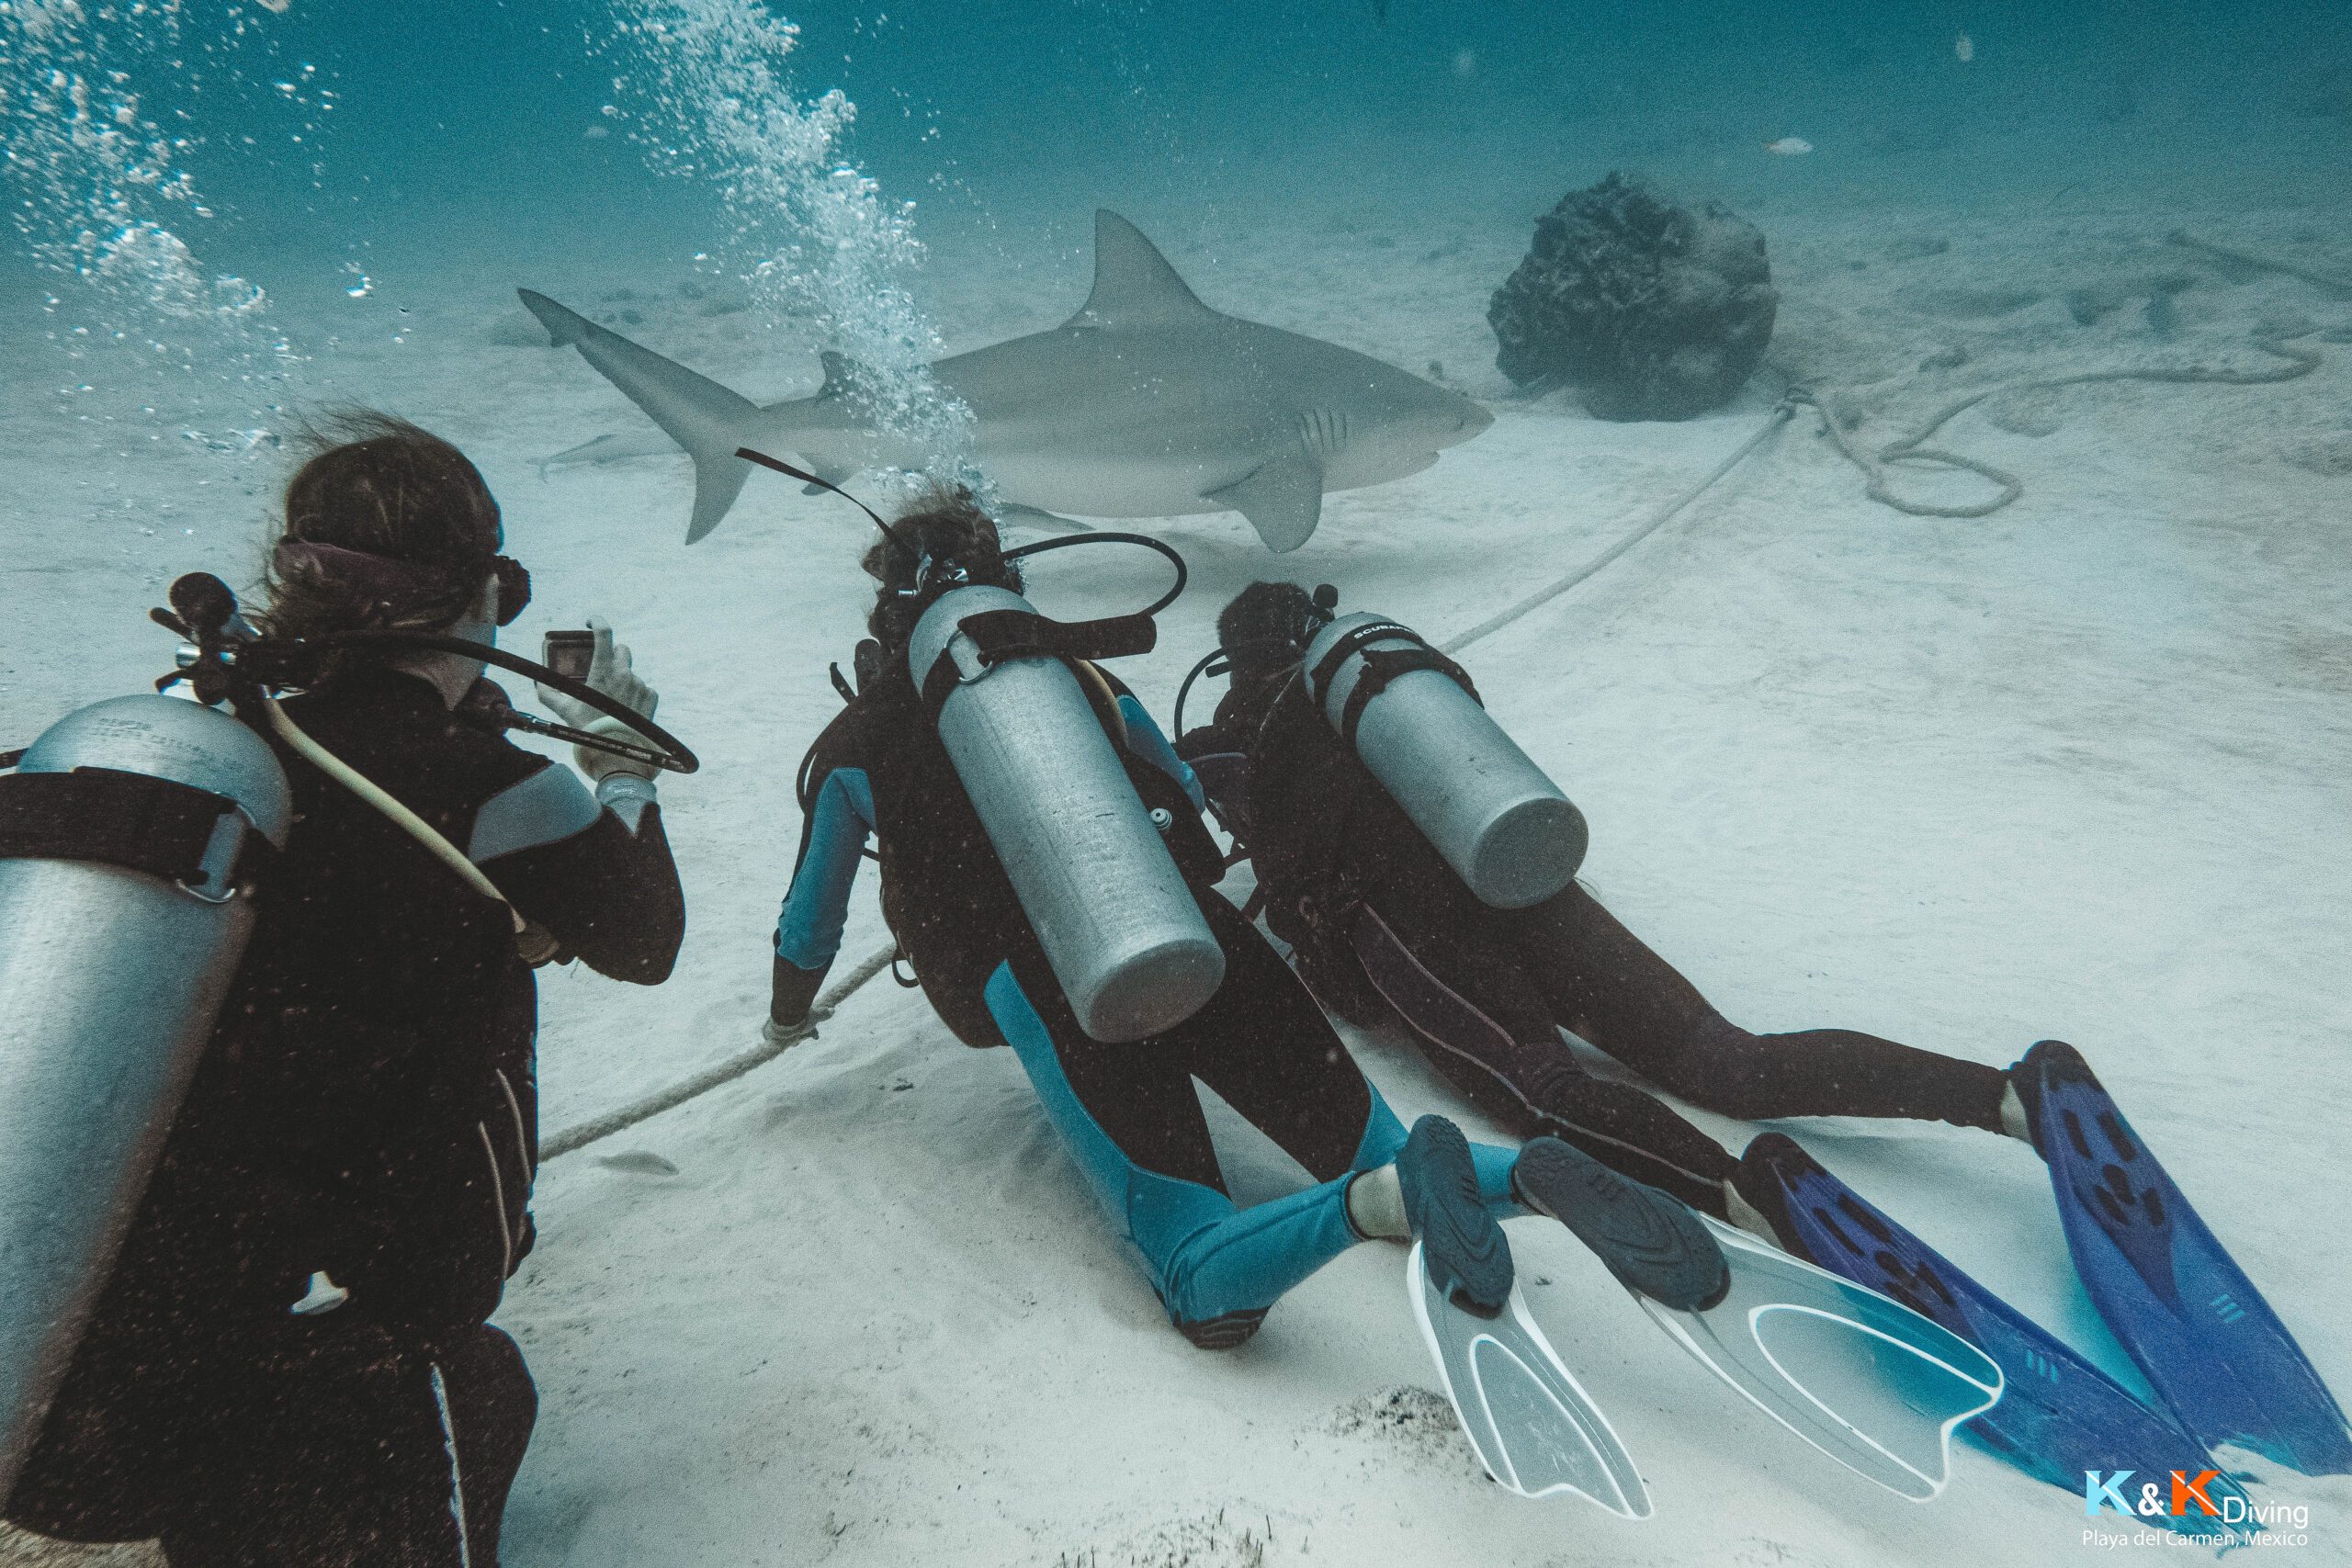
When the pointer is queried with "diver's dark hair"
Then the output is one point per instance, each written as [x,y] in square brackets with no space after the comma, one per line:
[1267,627]
[376,484]
[942,541]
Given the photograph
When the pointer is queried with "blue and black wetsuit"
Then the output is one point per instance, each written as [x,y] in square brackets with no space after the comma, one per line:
[1128,1112]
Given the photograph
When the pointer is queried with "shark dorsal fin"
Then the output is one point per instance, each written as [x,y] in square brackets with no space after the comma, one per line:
[1134,285]
[847,378]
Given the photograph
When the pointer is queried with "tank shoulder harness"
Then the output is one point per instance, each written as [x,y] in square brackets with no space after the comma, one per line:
[165,830]
[1380,667]
[993,637]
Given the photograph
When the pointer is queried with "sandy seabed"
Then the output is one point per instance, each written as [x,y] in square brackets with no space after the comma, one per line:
[2078,769]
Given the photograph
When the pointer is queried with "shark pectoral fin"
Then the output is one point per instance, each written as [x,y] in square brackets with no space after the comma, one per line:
[718,482]
[1283,499]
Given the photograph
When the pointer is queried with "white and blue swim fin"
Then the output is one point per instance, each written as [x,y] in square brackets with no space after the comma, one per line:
[1871,1383]
[1533,1427]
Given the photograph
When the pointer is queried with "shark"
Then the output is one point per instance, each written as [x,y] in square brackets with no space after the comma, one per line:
[1145,404]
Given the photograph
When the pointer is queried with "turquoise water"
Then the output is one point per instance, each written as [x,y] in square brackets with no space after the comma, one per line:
[315,149]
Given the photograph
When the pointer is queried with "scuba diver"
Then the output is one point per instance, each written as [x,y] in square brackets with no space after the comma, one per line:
[1120,1095]
[291,1363]
[1381,927]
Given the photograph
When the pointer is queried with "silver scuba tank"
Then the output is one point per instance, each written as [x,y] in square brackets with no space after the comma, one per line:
[109,980]
[1116,920]
[1493,816]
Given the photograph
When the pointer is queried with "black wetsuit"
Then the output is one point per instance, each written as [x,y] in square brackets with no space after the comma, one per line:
[365,1110]
[1381,926]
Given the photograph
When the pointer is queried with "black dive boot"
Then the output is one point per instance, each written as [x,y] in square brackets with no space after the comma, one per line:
[1462,1243]
[1651,1242]
[1761,1183]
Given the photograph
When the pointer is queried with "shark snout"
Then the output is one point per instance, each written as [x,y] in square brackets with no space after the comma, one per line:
[1473,418]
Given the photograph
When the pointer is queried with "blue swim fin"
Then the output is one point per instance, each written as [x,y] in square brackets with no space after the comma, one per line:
[2059,1416]
[2185,1313]
[1534,1428]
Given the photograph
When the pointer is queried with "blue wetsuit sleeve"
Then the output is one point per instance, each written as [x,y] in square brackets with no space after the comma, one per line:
[1145,741]
[808,932]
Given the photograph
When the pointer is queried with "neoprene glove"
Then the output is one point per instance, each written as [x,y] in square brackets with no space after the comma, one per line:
[609,672]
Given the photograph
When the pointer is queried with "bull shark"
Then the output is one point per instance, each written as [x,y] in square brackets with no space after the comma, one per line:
[1147,403]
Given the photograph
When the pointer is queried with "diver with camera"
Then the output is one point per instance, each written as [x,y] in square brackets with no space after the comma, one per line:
[289,1360]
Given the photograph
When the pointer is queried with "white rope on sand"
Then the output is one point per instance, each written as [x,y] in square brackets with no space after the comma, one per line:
[1912,448]
[677,1094]
[1544,595]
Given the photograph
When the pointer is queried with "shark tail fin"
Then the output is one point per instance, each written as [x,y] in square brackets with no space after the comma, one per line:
[695,411]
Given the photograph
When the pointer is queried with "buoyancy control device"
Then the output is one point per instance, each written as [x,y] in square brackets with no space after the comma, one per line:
[1414,721]
[1116,920]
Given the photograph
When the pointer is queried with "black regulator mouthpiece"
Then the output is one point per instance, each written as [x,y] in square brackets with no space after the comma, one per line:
[204,603]
[231,663]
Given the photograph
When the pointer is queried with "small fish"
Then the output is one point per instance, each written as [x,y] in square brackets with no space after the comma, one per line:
[1789,146]
[1964,47]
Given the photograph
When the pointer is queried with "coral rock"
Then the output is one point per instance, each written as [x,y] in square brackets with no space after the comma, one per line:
[1651,310]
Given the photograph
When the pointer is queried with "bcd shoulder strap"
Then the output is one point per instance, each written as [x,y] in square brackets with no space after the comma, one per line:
[1000,635]
[130,821]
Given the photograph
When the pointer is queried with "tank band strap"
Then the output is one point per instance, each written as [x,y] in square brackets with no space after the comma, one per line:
[140,823]
[1318,679]
[1000,635]
[1381,665]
